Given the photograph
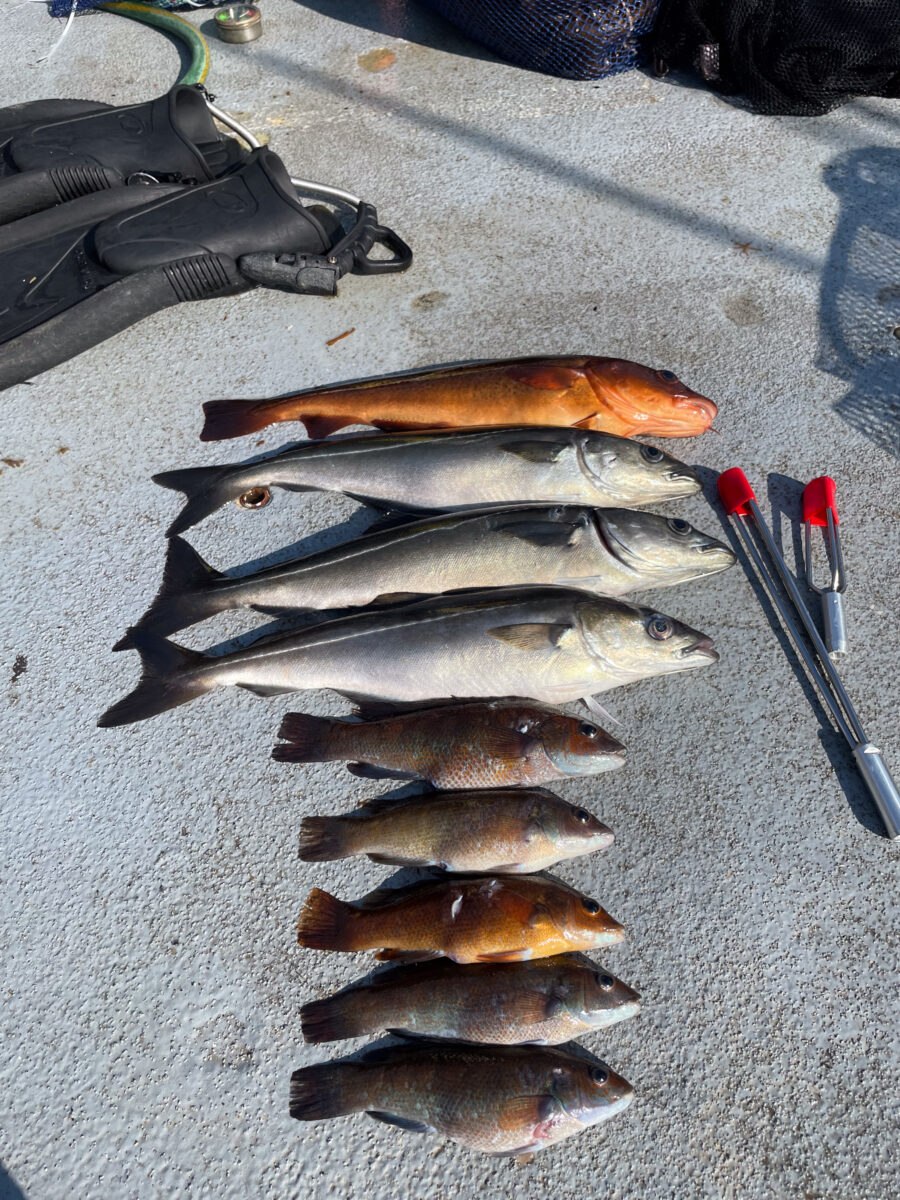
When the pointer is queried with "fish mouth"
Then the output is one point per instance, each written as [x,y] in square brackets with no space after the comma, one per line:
[683,474]
[700,404]
[712,546]
[702,647]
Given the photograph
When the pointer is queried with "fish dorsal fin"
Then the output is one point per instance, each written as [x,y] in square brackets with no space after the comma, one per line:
[545,376]
[401,1122]
[536,451]
[529,636]
[542,533]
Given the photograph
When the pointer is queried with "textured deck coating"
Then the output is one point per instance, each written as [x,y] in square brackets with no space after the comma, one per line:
[149,883]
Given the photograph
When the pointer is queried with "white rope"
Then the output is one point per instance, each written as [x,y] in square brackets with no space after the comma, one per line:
[59,41]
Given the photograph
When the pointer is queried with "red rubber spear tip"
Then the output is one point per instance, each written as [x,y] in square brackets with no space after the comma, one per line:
[735,491]
[818,497]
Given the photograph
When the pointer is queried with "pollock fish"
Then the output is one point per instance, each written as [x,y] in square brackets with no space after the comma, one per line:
[501,1100]
[447,471]
[543,1002]
[610,551]
[490,745]
[504,830]
[485,918]
[610,395]
[553,645]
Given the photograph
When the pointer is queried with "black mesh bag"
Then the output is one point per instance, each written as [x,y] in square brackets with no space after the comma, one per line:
[573,38]
[785,56]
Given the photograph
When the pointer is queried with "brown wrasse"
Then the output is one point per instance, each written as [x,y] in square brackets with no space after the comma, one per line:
[508,830]
[610,395]
[484,919]
[501,1100]
[493,744]
[548,1001]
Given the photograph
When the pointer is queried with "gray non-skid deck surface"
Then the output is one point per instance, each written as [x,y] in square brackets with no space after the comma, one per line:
[151,980]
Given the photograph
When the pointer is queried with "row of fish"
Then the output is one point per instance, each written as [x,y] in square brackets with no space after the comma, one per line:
[530,541]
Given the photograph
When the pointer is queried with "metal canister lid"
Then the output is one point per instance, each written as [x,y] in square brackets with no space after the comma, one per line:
[238,23]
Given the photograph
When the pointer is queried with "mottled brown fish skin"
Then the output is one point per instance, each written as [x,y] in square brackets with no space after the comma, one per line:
[548,1001]
[498,1100]
[610,395]
[494,918]
[508,830]
[495,744]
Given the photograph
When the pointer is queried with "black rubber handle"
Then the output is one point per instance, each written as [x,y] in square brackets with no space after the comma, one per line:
[116,308]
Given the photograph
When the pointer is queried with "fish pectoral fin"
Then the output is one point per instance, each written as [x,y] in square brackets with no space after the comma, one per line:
[598,710]
[266,689]
[586,422]
[539,914]
[395,860]
[525,1112]
[531,636]
[407,955]
[364,770]
[398,597]
[541,533]
[535,452]
[545,378]
[505,955]
[401,1122]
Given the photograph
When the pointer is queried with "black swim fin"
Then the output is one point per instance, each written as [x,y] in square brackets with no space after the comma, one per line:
[83,271]
[52,151]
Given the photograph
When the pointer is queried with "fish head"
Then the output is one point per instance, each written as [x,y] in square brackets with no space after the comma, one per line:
[633,472]
[578,747]
[569,829]
[606,999]
[590,1091]
[648,399]
[633,642]
[663,550]
[583,924]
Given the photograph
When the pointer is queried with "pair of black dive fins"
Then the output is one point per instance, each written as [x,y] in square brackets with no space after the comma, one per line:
[110,214]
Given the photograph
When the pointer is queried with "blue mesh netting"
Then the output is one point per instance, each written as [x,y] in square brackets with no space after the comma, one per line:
[573,38]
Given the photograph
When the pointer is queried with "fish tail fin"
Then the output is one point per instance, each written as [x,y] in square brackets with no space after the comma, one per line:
[324,1090]
[205,489]
[233,418]
[186,594]
[323,839]
[169,679]
[335,1019]
[325,922]
[306,739]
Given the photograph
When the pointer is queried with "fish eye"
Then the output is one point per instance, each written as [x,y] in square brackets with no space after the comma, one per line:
[660,628]
[668,376]
[523,725]
[678,526]
[590,906]
[652,454]
[605,981]
[599,1075]
[588,731]
[582,815]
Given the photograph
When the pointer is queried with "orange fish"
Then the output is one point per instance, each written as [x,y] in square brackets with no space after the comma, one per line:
[483,919]
[610,395]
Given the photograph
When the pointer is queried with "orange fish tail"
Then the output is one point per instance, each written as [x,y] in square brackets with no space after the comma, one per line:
[234,418]
[325,923]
